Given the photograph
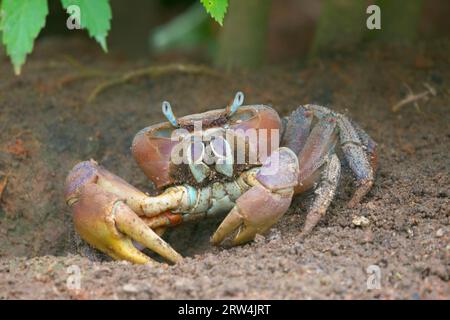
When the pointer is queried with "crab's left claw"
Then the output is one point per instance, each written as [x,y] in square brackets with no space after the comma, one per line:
[262,206]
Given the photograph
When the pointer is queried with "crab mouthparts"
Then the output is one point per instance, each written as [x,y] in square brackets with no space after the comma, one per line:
[201,155]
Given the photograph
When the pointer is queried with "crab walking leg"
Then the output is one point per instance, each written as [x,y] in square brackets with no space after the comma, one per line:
[369,145]
[262,205]
[353,140]
[324,193]
[297,129]
[356,158]
[108,224]
[318,147]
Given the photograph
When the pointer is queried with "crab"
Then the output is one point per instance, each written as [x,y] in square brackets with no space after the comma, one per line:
[244,163]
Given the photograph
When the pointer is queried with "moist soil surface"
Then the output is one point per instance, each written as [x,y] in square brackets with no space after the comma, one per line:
[47,127]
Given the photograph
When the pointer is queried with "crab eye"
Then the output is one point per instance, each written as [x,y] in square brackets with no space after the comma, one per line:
[238,101]
[167,111]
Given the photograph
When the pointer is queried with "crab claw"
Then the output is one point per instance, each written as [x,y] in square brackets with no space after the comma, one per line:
[258,209]
[106,221]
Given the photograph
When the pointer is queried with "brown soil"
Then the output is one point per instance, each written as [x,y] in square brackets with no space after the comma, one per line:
[46,128]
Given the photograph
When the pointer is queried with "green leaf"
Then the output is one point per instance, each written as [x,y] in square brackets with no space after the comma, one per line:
[20,22]
[216,8]
[95,16]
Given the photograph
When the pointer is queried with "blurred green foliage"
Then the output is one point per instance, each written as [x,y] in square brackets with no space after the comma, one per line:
[400,20]
[22,20]
[216,8]
[20,23]
[342,23]
[184,32]
[242,40]
[96,18]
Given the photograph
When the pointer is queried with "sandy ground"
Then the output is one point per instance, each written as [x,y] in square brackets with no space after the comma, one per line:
[47,127]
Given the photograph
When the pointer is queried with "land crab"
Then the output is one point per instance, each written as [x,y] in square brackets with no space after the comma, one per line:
[224,160]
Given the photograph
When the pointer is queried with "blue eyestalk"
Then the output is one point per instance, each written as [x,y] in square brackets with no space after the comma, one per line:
[238,101]
[167,111]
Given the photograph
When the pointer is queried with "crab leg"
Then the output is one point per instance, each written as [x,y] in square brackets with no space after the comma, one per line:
[324,193]
[106,214]
[319,164]
[357,160]
[297,129]
[262,205]
[369,145]
[318,147]
[358,147]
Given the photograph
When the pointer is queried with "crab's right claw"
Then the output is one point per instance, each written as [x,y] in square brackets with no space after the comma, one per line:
[264,204]
[106,222]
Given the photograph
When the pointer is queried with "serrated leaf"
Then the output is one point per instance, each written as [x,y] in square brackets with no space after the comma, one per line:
[216,8]
[20,22]
[95,16]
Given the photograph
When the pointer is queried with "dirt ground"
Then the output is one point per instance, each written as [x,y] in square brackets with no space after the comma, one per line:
[47,127]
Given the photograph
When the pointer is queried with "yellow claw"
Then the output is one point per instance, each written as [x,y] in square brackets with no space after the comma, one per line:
[108,224]
[106,213]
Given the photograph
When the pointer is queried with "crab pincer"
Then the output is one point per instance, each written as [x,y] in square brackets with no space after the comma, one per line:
[105,213]
[264,204]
